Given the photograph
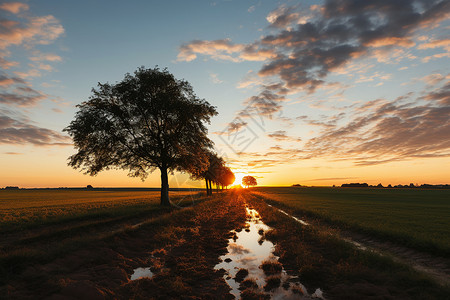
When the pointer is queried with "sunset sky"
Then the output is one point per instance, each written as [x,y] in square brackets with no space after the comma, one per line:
[308,92]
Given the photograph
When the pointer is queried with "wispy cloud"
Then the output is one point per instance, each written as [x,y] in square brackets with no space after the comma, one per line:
[27,31]
[15,91]
[6,81]
[281,135]
[20,28]
[434,78]
[37,30]
[45,57]
[390,132]
[266,103]
[18,132]
[436,44]
[215,78]
[224,50]
[14,7]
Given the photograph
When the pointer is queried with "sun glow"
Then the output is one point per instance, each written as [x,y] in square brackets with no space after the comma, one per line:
[238,177]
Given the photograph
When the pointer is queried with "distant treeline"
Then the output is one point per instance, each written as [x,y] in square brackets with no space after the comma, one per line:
[135,189]
[411,185]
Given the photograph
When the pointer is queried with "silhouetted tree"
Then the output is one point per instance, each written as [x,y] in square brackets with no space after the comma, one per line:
[216,172]
[210,173]
[249,181]
[226,177]
[148,121]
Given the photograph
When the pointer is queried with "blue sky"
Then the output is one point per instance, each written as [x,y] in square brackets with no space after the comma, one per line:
[320,92]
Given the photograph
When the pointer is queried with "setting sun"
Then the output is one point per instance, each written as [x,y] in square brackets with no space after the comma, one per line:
[239,177]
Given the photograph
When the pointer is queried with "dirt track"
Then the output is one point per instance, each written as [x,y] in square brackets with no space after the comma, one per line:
[434,266]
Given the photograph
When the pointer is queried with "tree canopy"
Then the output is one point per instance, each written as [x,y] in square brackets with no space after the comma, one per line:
[249,181]
[149,120]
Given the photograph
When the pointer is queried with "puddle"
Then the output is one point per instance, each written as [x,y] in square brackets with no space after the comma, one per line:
[248,249]
[358,245]
[295,218]
[141,273]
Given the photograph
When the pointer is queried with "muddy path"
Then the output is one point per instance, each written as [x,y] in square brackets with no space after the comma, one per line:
[252,270]
[436,267]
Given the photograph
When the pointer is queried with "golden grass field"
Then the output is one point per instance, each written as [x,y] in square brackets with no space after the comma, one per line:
[28,207]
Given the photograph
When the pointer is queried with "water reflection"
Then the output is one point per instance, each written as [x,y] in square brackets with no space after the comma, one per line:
[295,218]
[141,273]
[248,254]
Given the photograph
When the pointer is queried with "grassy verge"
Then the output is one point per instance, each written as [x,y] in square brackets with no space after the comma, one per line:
[323,261]
[415,218]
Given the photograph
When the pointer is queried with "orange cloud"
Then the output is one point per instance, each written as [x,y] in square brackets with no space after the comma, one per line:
[46,57]
[434,78]
[436,44]
[218,49]
[39,30]
[29,73]
[224,50]
[392,41]
[14,7]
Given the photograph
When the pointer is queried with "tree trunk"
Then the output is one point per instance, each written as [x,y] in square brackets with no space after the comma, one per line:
[164,187]
[210,188]
[207,187]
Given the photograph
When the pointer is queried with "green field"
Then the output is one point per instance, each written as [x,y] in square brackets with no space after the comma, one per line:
[25,208]
[417,218]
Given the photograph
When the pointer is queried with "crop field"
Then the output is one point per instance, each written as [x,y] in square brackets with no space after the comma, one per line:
[25,208]
[417,218]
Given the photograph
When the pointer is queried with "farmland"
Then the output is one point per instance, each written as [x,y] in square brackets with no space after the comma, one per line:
[29,208]
[414,217]
[87,244]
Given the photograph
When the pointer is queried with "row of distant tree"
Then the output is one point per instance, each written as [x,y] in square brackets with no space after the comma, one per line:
[411,185]
[11,188]
[216,173]
[150,120]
